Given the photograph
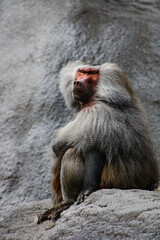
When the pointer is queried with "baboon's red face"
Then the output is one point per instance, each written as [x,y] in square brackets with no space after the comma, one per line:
[85,82]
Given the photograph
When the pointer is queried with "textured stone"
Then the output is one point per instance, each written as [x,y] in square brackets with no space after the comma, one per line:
[36,39]
[105,214]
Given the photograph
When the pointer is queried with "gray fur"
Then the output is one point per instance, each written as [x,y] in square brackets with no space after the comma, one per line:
[116,125]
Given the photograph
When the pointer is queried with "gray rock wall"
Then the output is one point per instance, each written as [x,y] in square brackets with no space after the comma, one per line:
[36,39]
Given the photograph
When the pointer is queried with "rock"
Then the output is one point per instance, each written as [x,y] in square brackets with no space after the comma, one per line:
[20,222]
[36,39]
[105,214]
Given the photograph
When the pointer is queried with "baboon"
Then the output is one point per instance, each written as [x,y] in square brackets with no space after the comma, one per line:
[107,144]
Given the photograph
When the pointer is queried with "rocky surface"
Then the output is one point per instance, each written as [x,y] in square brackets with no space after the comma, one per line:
[106,214]
[36,39]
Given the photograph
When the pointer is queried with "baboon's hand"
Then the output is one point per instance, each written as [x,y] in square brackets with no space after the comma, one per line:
[83,195]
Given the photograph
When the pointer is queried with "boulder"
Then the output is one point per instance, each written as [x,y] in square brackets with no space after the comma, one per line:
[105,214]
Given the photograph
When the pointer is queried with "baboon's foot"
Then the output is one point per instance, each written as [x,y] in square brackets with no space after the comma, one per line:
[53,213]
